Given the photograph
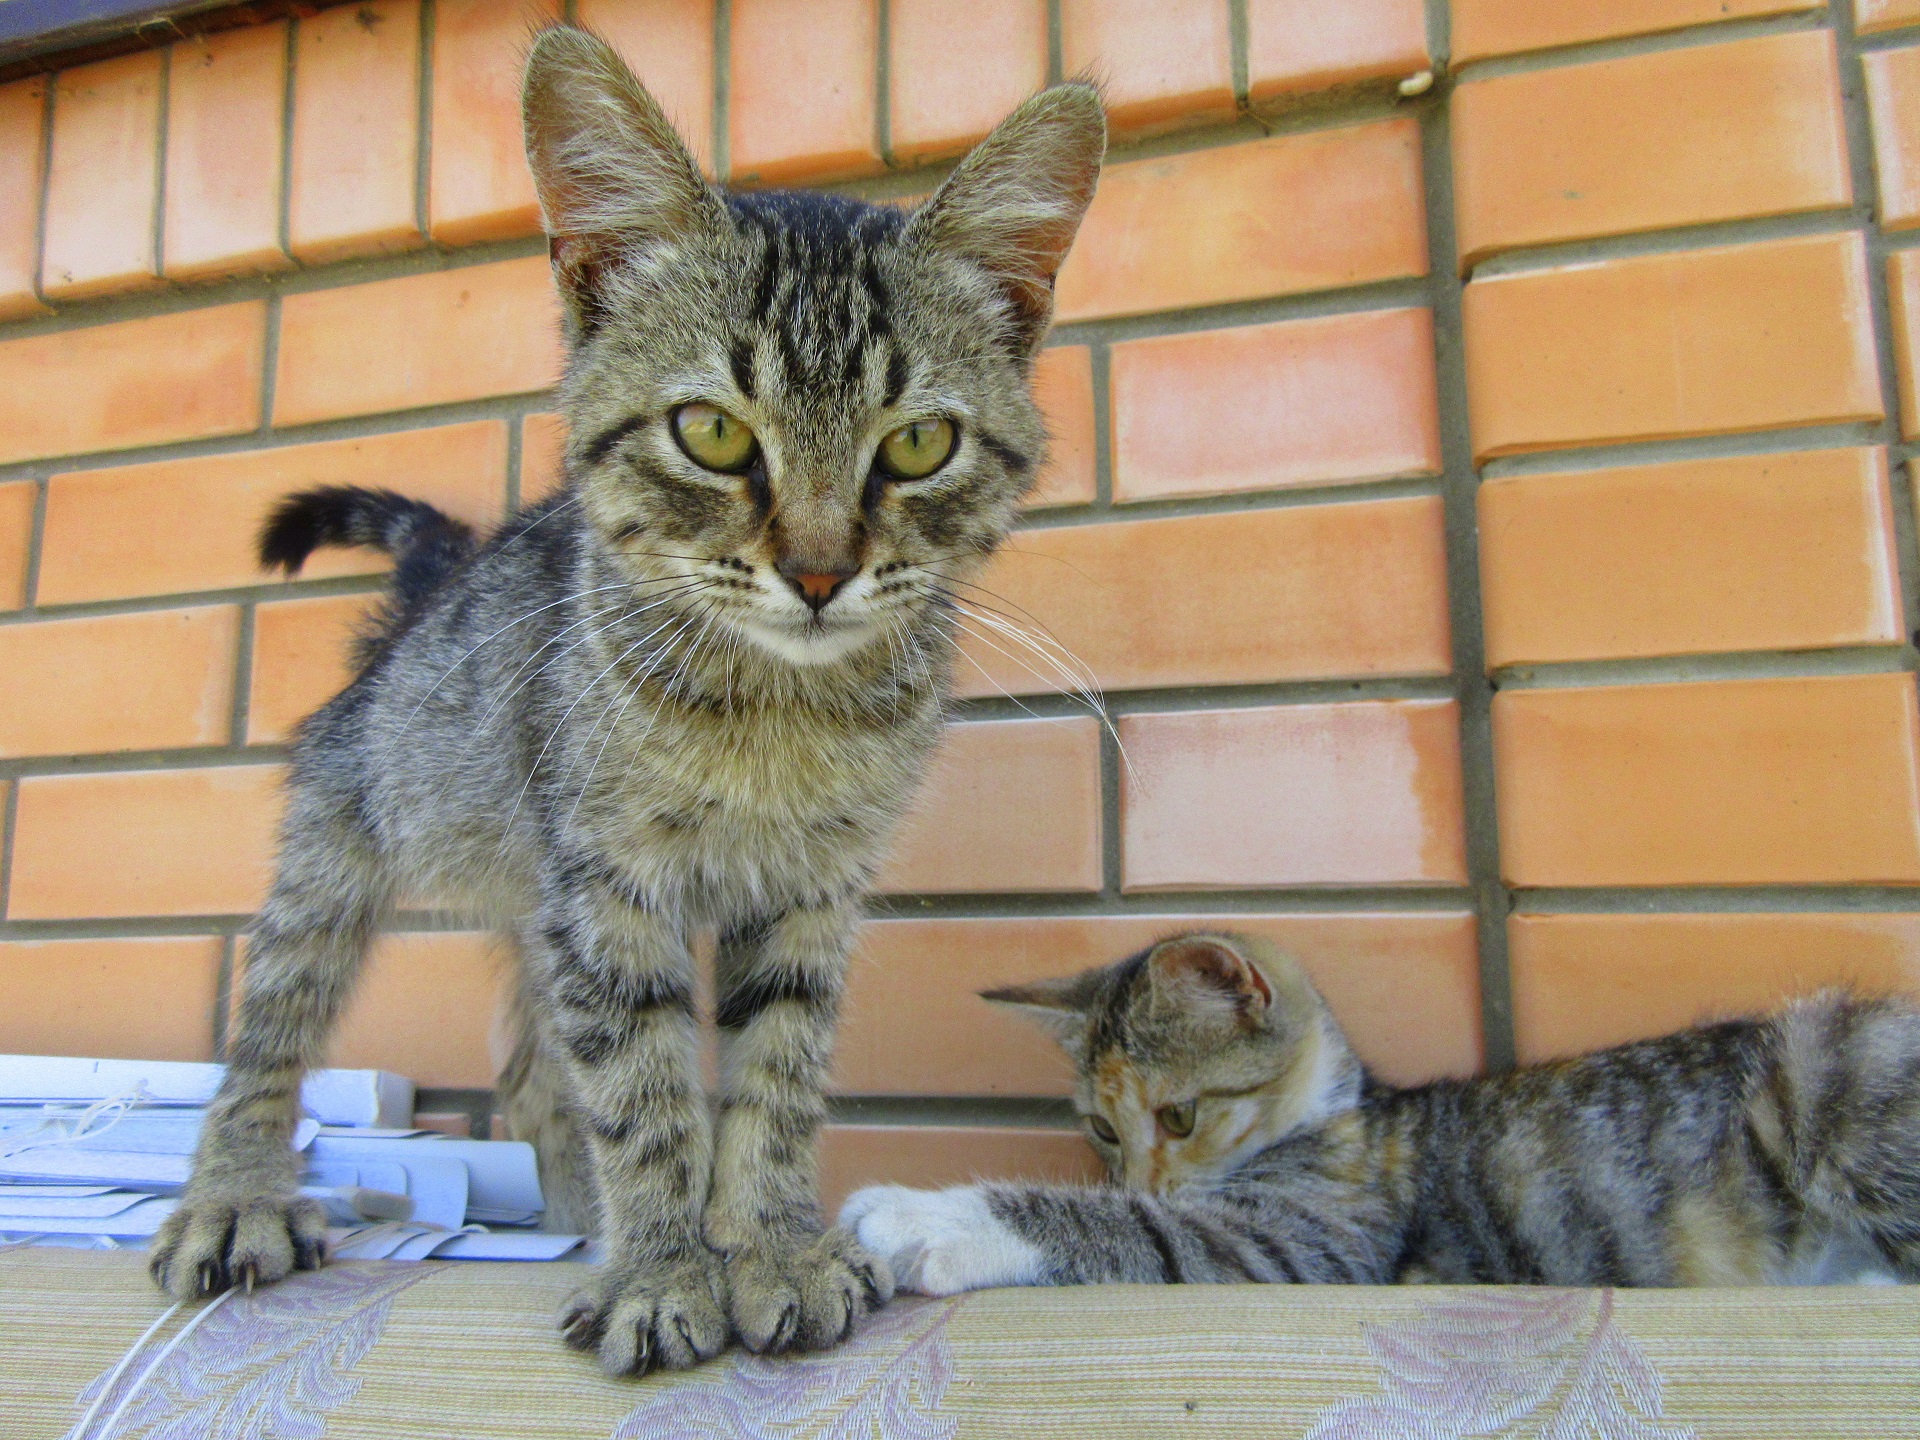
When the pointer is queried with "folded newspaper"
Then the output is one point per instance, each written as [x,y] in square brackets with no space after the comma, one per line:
[94,1153]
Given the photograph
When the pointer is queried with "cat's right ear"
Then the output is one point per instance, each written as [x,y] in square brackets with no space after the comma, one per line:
[1058,1005]
[612,175]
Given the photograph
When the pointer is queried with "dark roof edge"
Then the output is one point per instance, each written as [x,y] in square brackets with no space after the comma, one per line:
[37,36]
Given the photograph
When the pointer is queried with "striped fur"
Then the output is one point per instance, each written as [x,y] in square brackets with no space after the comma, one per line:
[620,721]
[1781,1150]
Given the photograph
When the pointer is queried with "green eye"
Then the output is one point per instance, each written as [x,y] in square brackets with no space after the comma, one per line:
[1177,1120]
[1098,1124]
[713,438]
[916,450]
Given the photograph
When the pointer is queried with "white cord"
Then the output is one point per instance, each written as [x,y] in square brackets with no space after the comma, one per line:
[125,1360]
[105,1431]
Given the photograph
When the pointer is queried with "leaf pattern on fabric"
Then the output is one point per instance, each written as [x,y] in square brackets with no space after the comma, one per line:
[1551,1363]
[886,1383]
[265,1366]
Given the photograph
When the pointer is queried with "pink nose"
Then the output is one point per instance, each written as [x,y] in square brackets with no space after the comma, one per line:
[817,590]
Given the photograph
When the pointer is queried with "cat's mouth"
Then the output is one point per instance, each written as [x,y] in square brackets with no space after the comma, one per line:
[812,640]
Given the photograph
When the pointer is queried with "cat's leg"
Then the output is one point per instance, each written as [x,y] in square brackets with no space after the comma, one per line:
[973,1237]
[241,1219]
[792,1286]
[616,981]
[536,1100]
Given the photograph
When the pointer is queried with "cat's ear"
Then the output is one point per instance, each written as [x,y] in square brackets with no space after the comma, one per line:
[612,175]
[1059,1005]
[1208,974]
[1013,205]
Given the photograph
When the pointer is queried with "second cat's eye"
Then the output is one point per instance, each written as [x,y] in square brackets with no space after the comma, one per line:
[713,439]
[916,449]
[1099,1125]
[1176,1120]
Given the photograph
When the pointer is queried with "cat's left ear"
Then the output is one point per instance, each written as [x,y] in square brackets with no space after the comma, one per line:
[1013,206]
[1206,972]
[1058,1005]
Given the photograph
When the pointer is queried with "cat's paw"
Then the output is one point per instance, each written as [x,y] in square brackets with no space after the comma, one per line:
[940,1242]
[807,1298]
[636,1322]
[210,1244]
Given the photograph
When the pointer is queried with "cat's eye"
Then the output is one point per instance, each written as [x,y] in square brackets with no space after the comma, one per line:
[1099,1125]
[714,439]
[916,449]
[1177,1120]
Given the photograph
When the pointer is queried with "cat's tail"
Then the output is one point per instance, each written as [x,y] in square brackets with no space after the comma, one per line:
[426,544]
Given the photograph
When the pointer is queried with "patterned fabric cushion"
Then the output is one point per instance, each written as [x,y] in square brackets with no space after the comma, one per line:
[411,1352]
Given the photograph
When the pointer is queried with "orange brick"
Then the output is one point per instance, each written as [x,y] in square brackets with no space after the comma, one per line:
[185,376]
[669,44]
[1502,27]
[1750,337]
[16,540]
[1306,592]
[23,110]
[943,98]
[1893,93]
[1758,552]
[1163,65]
[1295,47]
[804,78]
[1872,15]
[226,98]
[152,842]
[1749,782]
[423,1009]
[104,527]
[543,448]
[478,185]
[420,340]
[1063,388]
[1405,986]
[1903,299]
[1584,982]
[355,131]
[1286,215]
[102,179]
[1678,137]
[1009,805]
[110,999]
[1367,793]
[933,1156]
[1259,407]
[152,681]
[300,660]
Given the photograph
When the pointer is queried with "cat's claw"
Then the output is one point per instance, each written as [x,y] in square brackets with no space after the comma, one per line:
[212,1244]
[804,1299]
[639,1323]
[941,1242]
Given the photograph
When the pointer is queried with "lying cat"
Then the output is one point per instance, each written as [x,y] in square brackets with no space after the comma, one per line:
[1251,1145]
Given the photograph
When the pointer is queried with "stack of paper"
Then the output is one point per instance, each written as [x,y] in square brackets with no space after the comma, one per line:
[94,1152]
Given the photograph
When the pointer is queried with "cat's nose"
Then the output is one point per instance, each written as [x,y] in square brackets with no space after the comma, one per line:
[818,587]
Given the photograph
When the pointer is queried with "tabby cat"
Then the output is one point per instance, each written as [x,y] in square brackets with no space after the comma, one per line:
[692,692]
[1251,1145]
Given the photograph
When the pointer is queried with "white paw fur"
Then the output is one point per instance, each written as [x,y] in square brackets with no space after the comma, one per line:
[941,1242]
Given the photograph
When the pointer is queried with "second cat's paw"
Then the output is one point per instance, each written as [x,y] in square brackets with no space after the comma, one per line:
[940,1242]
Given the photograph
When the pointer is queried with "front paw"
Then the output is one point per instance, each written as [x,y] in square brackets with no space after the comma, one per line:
[807,1298]
[941,1242]
[212,1243]
[667,1319]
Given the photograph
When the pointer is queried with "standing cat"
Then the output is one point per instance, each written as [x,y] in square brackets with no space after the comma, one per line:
[695,690]
[1252,1145]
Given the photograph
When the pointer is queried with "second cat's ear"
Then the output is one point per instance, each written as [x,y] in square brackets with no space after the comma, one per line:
[1058,1005]
[611,173]
[1207,973]
[1015,202]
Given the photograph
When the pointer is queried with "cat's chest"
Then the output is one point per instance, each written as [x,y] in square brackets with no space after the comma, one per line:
[764,802]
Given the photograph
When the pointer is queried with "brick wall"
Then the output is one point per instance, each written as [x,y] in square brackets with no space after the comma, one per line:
[1487,510]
